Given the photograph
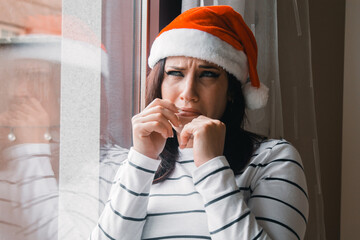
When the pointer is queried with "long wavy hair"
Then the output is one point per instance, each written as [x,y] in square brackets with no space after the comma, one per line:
[239,144]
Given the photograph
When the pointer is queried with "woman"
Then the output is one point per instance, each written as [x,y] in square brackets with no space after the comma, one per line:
[193,172]
[29,125]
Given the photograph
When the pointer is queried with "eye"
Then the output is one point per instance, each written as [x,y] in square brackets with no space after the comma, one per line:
[175,73]
[209,74]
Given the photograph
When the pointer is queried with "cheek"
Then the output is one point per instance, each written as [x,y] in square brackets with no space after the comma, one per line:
[168,93]
[164,92]
[217,101]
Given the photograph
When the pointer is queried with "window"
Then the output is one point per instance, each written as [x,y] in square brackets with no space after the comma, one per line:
[70,82]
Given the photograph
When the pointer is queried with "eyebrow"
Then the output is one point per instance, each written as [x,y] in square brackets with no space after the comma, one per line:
[208,67]
[200,66]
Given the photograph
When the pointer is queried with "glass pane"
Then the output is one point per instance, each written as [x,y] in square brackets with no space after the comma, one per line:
[120,93]
[42,44]
[30,50]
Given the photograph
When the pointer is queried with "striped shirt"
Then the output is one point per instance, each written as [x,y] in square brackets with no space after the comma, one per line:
[29,193]
[268,200]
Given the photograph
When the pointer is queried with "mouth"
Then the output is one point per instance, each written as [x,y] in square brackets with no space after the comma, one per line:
[188,112]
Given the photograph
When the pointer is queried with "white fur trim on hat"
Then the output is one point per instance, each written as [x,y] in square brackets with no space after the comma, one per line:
[49,47]
[201,45]
[255,98]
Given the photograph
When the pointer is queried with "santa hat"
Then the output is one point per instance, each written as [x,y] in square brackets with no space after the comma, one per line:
[43,39]
[217,34]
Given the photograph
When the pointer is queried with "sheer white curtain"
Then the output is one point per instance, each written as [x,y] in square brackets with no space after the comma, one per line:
[298,102]
[261,18]
[290,112]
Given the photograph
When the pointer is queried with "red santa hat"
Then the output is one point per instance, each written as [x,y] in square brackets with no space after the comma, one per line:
[217,34]
[43,39]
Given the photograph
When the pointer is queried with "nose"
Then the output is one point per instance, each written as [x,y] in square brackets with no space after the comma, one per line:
[21,90]
[189,92]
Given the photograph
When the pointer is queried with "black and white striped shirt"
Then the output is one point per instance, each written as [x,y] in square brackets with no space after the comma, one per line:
[29,193]
[268,200]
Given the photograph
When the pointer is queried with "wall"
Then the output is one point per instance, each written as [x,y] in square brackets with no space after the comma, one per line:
[327,45]
[350,197]
[326,21]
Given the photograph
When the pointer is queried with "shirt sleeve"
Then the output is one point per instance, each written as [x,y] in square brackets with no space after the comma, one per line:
[125,212]
[278,186]
[28,193]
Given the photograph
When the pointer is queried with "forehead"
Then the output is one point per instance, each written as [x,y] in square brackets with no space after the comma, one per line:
[188,61]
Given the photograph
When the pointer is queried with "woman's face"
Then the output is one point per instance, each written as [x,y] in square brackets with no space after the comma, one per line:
[196,87]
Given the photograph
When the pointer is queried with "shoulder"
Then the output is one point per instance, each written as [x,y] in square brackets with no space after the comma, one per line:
[278,184]
[276,150]
[277,160]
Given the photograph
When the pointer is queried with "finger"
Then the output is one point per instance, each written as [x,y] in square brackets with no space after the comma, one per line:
[34,104]
[167,113]
[20,103]
[186,134]
[19,116]
[23,112]
[151,127]
[14,105]
[164,103]
[18,100]
[25,108]
[156,117]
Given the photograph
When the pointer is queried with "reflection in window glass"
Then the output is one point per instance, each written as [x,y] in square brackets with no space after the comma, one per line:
[29,119]
[29,122]
[31,61]
[120,98]
[120,95]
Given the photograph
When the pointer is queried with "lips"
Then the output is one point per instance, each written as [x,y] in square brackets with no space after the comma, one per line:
[188,112]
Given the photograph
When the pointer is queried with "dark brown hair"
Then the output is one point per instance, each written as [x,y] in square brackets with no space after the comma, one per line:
[239,144]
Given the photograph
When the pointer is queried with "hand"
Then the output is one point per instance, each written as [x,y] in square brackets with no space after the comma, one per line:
[153,126]
[208,136]
[29,120]
[28,112]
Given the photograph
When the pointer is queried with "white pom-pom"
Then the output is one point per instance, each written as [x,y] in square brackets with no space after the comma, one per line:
[255,98]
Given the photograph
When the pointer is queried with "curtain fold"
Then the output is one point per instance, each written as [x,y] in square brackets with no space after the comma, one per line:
[298,102]
[120,91]
[284,65]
